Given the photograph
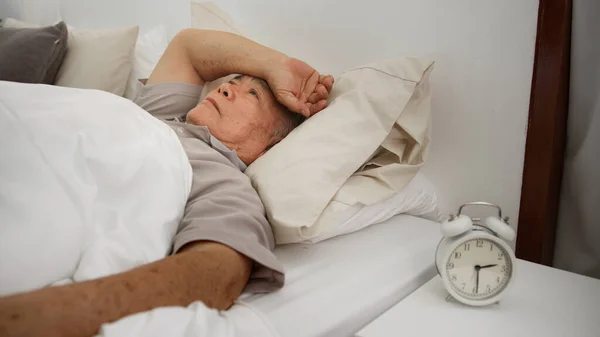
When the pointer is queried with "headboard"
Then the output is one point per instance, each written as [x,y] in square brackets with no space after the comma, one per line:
[544,151]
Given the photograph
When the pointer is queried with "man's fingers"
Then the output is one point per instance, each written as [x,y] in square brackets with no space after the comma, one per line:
[314,98]
[291,102]
[315,101]
[322,78]
[310,86]
[327,81]
[320,105]
[319,94]
[322,92]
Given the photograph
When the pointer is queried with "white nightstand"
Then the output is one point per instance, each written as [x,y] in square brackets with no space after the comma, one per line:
[542,301]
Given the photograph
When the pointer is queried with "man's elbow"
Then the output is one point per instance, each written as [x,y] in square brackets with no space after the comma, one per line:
[188,36]
[217,271]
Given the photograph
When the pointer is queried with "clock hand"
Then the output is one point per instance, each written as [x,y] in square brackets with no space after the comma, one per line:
[477,268]
[488,266]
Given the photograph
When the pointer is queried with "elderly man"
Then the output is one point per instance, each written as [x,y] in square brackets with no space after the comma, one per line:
[224,243]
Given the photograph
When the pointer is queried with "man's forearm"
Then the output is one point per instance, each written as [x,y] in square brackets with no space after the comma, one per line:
[209,272]
[215,54]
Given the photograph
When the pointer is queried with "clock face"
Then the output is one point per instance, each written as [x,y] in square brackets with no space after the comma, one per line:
[479,269]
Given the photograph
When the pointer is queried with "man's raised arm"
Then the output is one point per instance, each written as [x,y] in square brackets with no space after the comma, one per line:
[206,271]
[197,56]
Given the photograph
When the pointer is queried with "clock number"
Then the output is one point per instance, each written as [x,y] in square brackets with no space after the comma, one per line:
[462,286]
[479,243]
[500,256]
[453,277]
[450,265]
[457,255]
[503,269]
[488,289]
[498,280]
[474,290]
[467,246]
[491,246]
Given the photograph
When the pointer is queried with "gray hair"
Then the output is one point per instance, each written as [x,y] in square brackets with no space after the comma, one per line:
[290,121]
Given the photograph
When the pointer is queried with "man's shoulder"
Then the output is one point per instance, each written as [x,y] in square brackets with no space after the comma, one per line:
[168,100]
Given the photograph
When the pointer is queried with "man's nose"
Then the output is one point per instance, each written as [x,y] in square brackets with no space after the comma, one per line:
[227,90]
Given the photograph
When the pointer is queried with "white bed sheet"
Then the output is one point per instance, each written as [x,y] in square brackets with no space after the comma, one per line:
[336,287]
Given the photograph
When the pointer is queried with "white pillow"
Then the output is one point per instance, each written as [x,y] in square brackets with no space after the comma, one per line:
[365,147]
[95,59]
[419,198]
[148,50]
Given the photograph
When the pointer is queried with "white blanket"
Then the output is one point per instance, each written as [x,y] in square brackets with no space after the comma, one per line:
[90,185]
[194,321]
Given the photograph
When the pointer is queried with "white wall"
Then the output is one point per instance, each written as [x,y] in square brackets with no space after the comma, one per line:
[483,48]
[175,14]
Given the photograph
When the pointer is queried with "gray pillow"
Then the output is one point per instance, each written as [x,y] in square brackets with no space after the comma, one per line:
[32,55]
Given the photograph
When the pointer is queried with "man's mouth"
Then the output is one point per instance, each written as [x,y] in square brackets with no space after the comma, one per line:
[214,103]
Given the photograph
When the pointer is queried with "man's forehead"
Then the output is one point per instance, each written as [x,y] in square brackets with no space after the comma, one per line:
[260,82]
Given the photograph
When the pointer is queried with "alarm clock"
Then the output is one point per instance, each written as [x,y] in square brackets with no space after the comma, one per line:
[473,259]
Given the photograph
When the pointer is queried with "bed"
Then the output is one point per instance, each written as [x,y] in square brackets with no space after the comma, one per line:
[335,287]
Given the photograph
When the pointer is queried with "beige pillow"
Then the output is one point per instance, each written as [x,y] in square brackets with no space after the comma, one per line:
[95,59]
[98,59]
[366,146]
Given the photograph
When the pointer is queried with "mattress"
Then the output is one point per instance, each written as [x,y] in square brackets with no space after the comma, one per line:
[336,287]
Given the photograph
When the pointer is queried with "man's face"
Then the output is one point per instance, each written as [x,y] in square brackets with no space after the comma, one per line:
[242,114]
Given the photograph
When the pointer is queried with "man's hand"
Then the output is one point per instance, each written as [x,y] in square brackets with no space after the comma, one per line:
[300,87]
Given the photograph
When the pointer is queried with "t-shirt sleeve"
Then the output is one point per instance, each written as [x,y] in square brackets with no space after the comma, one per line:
[168,100]
[224,207]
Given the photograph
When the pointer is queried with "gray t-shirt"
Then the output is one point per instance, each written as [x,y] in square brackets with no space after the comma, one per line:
[222,205]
